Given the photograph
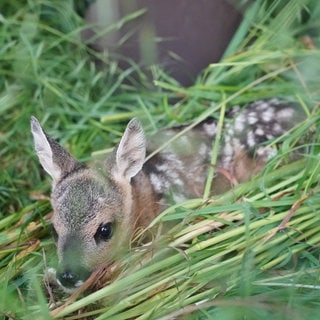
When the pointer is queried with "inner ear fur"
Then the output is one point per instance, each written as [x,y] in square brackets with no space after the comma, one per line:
[129,155]
[55,160]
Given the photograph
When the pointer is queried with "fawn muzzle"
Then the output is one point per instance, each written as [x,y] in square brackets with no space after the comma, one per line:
[71,271]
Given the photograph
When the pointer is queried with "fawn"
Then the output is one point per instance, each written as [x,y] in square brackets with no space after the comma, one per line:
[96,210]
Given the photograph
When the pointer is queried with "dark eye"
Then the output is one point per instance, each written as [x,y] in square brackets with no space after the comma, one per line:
[54,233]
[104,232]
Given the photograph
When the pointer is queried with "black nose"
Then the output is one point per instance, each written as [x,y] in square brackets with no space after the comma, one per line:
[72,278]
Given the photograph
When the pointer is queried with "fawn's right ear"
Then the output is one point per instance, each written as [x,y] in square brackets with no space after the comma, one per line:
[52,156]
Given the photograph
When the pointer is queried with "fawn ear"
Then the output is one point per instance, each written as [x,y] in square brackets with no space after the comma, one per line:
[130,153]
[52,156]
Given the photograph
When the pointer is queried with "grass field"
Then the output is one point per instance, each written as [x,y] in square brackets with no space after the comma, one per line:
[251,253]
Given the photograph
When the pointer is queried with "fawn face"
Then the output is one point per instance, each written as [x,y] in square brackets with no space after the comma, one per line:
[92,217]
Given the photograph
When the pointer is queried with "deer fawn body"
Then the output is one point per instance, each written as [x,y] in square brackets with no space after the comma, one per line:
[96,210]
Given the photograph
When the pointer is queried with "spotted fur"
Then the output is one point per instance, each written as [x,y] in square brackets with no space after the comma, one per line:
[96,210]
[181,169]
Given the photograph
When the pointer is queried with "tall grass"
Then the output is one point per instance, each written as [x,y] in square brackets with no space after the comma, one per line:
[250,253]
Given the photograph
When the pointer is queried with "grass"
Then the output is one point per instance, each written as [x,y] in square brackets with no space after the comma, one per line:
[250,253]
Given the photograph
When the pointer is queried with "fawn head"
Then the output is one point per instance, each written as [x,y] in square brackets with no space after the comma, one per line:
[92,208]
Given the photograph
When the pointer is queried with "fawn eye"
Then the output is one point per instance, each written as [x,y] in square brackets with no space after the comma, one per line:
[104,232]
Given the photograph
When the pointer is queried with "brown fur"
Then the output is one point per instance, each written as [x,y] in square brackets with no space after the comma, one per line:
[145,206]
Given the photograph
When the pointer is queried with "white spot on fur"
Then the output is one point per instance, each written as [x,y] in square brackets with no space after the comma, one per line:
[252,118]
[261,105]
[250,139]
[163,167]
[159,184]
[277,129]
[259,131]
[239,123]
[266,152]
[210,129]
[285,113]
[268,115]
[228,149]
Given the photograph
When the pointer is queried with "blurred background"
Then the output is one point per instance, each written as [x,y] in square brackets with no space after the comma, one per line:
[183,37]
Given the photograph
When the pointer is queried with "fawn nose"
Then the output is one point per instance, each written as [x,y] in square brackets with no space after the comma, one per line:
[72,279]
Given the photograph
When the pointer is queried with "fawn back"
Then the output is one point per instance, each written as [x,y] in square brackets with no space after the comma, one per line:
[96,210]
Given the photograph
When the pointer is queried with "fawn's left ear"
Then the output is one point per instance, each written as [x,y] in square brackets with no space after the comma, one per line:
[130,153]
[53,157]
